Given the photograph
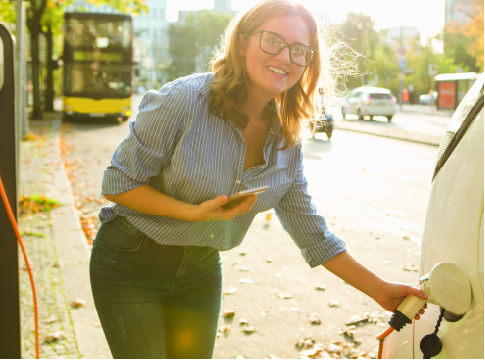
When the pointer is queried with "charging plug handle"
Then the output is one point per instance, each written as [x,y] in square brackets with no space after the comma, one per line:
[398,320]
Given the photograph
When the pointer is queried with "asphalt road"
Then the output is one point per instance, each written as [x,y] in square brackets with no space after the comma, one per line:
[373,193]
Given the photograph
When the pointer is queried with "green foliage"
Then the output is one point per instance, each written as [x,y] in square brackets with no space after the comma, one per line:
[8,11]
[195,40]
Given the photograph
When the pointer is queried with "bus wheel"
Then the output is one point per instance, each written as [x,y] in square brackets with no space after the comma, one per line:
[118,120]
[125,118]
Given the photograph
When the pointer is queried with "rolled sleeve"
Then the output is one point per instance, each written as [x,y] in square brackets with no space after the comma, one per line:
[151,140]
[298,216]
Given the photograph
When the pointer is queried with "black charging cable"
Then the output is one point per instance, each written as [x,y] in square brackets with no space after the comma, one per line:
[431,344]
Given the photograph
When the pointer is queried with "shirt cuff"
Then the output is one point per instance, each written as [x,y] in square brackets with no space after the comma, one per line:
[115,182]
[324,251]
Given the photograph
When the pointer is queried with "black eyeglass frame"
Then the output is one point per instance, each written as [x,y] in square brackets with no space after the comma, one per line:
[286,45]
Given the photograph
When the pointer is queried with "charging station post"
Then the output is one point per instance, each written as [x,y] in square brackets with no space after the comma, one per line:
[10,339]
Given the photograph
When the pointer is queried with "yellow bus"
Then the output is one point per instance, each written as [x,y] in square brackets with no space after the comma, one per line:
[98,71]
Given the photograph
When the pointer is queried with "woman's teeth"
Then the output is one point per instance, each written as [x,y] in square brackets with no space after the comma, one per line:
[278,71]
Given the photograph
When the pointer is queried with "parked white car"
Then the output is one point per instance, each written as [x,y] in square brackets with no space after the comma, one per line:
[453,233]
[370,101]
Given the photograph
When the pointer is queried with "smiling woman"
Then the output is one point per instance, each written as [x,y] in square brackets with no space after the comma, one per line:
[156,269]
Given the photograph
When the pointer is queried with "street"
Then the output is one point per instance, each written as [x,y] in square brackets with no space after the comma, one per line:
[371,190]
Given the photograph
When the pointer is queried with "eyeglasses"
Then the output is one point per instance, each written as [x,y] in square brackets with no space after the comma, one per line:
[273,43]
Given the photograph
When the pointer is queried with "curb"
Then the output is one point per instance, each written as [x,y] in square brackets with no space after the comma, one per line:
[73,252]
[388,132]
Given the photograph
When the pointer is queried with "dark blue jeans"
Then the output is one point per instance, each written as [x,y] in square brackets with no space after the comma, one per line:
[155,301]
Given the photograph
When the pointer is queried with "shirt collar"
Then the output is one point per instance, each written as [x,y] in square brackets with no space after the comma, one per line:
[275,127]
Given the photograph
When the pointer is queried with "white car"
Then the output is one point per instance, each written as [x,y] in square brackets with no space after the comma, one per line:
[453,234]
[370,101]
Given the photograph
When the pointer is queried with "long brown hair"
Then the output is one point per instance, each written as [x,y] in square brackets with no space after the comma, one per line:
[230,88]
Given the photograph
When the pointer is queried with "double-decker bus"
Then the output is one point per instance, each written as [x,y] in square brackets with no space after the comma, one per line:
[97,79]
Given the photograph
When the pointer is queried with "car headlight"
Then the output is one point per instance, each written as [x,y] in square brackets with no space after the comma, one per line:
[464,115]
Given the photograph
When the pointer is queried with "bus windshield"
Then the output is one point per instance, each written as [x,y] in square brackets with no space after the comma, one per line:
[97,55]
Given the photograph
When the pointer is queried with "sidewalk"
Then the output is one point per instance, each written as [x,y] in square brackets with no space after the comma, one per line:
[57,248]
[426,109]
[416,123]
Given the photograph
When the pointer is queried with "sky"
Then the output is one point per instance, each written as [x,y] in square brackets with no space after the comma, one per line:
[428,15]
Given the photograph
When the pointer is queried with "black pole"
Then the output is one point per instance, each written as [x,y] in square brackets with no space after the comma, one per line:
[10,343]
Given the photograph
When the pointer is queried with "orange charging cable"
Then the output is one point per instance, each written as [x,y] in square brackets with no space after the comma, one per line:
[21,243]
[381,338]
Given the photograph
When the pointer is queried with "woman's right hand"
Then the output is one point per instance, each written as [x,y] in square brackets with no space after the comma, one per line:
[211,210]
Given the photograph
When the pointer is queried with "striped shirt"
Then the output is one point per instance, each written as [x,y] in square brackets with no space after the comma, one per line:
[181,150]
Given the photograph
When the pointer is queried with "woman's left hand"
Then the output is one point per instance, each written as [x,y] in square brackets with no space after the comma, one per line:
[392,294]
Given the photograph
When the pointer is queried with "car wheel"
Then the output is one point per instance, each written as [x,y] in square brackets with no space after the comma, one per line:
[343,113]
[371,117]
[359,114]
[329,133]
[389,118]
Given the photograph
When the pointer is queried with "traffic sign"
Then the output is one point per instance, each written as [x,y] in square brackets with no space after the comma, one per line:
[401,64]
[432,69]
[401,51]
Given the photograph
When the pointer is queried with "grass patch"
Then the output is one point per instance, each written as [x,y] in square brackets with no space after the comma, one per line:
[34,204]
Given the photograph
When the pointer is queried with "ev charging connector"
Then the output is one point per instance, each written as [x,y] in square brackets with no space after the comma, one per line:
[446,286]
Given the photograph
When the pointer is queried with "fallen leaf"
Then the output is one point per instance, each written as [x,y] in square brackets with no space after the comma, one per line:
[271,356]
[230,291]
[269,260]
[50,320]
[243,268]
[320,287]
[77,303]
[229,313]
[57,264]
[333,348]
[224,329]
[315,319]
[264,313]
[242,253]
[58,335]
[245,281]
[406,237]
[268,216]
[243,321]
[285,296]
[350,331]
[334,304]
[248,330]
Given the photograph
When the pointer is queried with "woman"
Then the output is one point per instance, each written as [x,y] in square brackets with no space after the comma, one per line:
[155,267]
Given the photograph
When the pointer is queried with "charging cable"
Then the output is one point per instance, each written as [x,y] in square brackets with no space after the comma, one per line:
[27,264]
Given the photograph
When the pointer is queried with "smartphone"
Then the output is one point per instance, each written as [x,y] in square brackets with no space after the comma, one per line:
[239,197]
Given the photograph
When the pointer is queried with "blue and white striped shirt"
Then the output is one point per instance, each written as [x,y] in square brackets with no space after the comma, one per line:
[181,150]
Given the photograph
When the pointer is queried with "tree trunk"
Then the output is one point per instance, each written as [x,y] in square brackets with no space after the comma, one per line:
[34,51]
[34,15]
[49,82]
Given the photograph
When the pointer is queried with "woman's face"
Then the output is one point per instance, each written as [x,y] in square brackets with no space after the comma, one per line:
[273,74]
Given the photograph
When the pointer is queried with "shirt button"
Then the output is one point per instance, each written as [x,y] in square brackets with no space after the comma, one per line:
[238,181]
[211,235]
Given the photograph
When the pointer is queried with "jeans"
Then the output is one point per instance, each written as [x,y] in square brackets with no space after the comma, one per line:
[155,301]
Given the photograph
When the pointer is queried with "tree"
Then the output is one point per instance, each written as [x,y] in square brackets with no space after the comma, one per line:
[360,31]
[194,40]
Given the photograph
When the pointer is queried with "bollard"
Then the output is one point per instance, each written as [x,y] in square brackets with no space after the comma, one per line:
[10,343]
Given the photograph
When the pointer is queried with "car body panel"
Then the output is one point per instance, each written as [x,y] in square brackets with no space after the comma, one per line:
[453,233]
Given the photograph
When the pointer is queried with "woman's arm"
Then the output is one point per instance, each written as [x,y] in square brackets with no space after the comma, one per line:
[147,200]
[388,295]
